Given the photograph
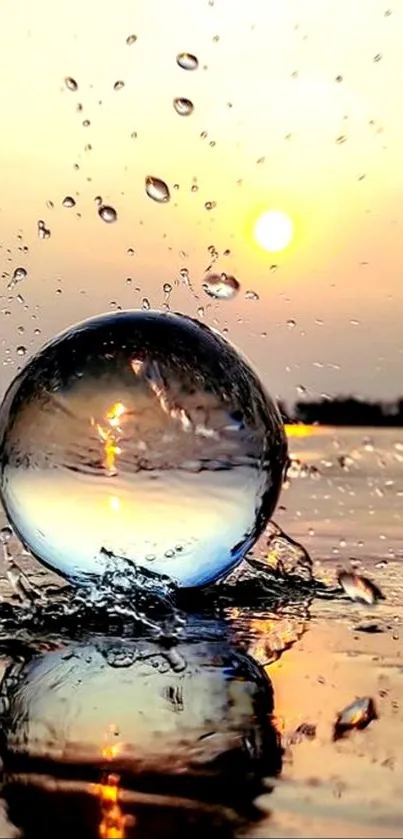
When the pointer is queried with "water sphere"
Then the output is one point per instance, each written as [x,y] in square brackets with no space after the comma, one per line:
[144,436]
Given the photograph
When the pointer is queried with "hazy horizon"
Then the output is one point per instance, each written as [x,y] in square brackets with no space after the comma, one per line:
[296,108]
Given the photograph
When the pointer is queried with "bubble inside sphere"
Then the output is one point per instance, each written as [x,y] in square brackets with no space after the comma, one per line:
[144,435]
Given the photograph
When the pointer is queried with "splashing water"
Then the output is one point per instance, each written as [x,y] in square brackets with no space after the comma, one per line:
[140,436]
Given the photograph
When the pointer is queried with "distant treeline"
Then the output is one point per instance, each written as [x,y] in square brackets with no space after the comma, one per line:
[345,410]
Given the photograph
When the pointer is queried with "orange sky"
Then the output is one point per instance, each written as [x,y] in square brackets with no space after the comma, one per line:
[266,91]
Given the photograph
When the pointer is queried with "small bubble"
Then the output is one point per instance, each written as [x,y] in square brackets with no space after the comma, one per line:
[377,57]
[68,201]
[145,303]
[301,390]
[98,200]
[221,286]
[187,61]
[71,83]
[273,268]
[339,79]
[118,85]
[86,123]
[43,231]
[107,213]
[157,190]
[21,350]
[183,107]
[133,135]
[194,188]
[130,251]
[200,312]
[131,39]
[251,295]
[291,323]
[167,288]
[210,205]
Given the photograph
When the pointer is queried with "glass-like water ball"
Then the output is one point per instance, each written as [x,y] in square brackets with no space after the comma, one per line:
[141,435]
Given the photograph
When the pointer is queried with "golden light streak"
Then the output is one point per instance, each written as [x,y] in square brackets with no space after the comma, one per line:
[113,822]
[109,435]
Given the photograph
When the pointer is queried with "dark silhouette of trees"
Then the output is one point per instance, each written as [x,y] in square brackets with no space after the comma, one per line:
[348,410]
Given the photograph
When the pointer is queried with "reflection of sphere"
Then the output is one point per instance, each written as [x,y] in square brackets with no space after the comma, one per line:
[142,435]
[171,726]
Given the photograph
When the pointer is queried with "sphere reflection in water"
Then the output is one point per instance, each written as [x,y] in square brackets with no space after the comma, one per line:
[136,737]
[142,435]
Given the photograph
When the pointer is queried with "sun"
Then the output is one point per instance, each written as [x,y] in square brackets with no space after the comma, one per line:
[273,231]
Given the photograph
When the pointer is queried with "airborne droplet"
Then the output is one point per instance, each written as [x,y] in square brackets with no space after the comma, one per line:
[70,83]
[43,231]
[68,201]
[131,39]
[183,107]
[19,274]
[107,213]
[187,61]
[157,190]
[118,85]
[251,295]
[221,286]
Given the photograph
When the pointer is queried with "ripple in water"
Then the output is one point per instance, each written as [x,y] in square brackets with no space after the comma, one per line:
[139,438]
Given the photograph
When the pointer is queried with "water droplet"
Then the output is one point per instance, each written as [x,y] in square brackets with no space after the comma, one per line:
[341,139]
[70,83]
[377,57]
[128,448]
[339,79]
[107,213]
[157,189]
[68,201]
[291,323]
[187,61]
[18,275]
[130,251]
[194,188]
[359,588]
[21,350]
[357,715]
[183,107]
[210,205]
[43,231]
[5,534]
[167,288]
[221,286]
[145,304]
[251,295]
[86,123]
[273,268]
[118,85]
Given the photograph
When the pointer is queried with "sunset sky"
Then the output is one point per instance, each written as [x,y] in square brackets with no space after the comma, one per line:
[297,107]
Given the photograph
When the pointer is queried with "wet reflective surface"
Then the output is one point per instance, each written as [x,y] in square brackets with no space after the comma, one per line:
[137,736]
